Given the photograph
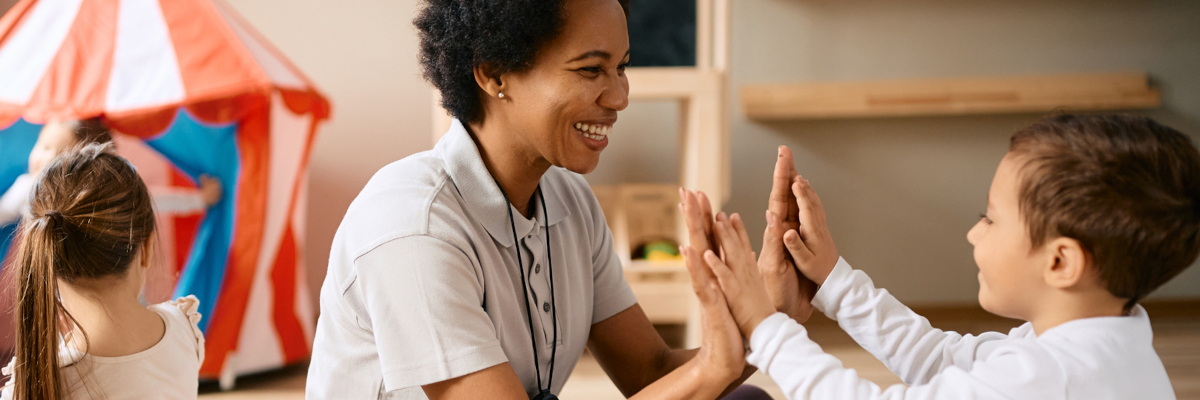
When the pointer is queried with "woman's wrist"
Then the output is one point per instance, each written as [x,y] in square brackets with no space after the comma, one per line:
[710,377]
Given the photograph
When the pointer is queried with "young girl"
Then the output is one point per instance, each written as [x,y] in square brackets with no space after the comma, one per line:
[58,136]
[82,261]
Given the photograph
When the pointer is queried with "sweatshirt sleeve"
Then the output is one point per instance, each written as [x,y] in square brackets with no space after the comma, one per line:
[780,347]
[15,200]
[177,201]
[904,341]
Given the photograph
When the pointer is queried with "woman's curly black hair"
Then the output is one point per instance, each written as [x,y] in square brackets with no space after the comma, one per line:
[505,35]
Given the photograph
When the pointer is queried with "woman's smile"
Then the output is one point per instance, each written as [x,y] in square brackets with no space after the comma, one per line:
[594,134]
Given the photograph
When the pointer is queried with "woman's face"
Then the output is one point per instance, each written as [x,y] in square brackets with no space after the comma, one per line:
[564,107]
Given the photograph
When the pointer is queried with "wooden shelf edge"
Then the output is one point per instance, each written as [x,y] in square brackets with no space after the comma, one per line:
[949,96]
[667,83]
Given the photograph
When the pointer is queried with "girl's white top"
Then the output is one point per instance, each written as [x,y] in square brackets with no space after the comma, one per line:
[1092,358]
[169,370]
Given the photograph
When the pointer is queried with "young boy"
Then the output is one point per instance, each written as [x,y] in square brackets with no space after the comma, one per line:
[1086,215]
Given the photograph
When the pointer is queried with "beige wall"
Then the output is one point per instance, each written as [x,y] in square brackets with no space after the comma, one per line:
[901,193]
[363,54]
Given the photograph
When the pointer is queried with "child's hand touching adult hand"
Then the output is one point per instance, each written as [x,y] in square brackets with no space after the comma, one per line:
[791,293]
[722,352]
[738,275]
[811,244]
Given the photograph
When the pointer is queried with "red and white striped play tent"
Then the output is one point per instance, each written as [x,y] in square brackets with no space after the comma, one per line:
[197,84]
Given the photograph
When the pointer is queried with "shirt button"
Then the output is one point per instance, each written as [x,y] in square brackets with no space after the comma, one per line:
[537,269]
[546,307]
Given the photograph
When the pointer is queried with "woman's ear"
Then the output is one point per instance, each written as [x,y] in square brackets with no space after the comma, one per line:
[488,80]
[1071,263]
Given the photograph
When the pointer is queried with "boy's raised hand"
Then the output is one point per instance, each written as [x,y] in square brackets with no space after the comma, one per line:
[811,245]
[791,293]
[738,275]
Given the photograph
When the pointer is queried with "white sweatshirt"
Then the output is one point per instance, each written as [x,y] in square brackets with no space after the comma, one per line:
[14,203]
[1092,358]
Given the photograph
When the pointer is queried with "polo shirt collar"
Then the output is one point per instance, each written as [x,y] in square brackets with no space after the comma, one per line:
[485,202]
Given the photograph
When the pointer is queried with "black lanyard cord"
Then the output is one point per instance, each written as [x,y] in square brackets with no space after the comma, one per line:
[525,290]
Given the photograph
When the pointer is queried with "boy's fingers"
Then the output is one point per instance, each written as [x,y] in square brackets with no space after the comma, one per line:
[813,202]
[740,227]
[719,269]
[796,246]
[807,209]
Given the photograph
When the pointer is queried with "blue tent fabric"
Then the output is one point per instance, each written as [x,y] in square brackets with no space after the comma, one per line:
[199,148]
[16,141]
[196,148]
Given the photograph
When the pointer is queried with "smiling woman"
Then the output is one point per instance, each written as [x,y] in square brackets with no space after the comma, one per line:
[485,265]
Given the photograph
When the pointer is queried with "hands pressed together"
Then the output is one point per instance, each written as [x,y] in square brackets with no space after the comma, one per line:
[737,290]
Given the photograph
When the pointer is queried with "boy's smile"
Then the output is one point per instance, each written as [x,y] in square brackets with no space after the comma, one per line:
[1009,280]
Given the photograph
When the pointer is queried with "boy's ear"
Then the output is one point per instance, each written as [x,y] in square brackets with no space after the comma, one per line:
[1070,265]
[488,80]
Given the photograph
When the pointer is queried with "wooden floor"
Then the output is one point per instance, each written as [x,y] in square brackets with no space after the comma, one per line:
[1176,337]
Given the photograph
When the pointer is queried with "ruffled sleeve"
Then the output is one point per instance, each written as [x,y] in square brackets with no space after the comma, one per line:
[190,305]
[7,392]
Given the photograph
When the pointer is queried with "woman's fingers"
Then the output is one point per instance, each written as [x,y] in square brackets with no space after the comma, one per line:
[781,182]
[698,236]
[706,212]
[701,277]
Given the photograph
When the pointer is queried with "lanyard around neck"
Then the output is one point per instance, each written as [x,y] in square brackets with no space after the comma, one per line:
[543,394]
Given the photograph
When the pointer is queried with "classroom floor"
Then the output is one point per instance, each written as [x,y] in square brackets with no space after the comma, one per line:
[1177,339]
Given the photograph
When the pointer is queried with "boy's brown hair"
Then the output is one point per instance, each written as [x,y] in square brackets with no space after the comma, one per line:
[1126,187]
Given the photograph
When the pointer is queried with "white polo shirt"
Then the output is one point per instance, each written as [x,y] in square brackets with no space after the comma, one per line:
[423,282]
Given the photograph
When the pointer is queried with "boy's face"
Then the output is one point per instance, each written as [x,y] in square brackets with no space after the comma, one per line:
[54,138]
[1009,278]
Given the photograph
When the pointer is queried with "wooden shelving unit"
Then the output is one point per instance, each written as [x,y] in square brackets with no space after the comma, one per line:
[948,96]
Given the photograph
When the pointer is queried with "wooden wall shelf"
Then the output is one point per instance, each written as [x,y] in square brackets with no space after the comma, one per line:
[948,96]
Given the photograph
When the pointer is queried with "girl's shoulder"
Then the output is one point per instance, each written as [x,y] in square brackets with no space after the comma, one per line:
[183,318]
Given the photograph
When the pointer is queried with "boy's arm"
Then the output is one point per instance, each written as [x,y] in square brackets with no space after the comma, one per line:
[780,347]
[901,339]
[904,341]
[14,201]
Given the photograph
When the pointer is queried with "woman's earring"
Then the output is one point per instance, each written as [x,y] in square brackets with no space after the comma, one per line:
[501,95]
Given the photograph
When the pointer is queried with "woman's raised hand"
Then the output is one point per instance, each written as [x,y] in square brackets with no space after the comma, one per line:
[737,274]
[791,293]
[722,351]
